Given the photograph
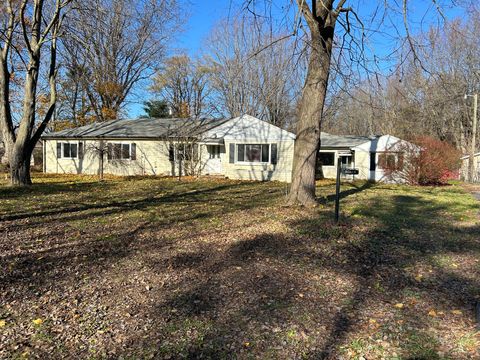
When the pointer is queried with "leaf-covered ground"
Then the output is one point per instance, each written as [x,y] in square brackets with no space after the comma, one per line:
[156,268]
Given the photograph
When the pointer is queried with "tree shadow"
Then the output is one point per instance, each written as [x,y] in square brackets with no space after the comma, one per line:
[356,188]
[301,292]
[254,298]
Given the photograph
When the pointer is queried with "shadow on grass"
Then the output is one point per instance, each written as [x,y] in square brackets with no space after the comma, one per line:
[122,205]
[96,250]
[294,294]
[356,188]
[257,296]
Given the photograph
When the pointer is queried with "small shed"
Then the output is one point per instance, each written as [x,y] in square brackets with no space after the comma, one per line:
[465,167]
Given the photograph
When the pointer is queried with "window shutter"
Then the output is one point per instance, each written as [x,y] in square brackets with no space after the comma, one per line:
[109,151]
[231,154]
[133,151]
[59,150]
[373,163]
[273,154]
[80,150]
[171,153]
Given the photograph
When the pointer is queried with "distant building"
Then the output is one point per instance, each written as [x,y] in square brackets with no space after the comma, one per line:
[476,167]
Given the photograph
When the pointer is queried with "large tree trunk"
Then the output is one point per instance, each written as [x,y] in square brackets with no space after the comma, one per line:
[8,136]
[20,167]
[302,189]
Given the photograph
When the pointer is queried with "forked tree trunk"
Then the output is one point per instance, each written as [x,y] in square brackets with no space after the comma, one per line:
[302,189]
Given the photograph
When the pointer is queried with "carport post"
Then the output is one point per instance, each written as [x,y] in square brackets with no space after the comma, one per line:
[337,190]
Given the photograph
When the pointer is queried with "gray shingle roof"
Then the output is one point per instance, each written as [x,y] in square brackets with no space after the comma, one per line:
[139,128]
[341,141]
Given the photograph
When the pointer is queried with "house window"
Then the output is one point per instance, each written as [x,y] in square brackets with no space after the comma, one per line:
[346,161]
[326,158]
[183,152]
[121,152]
[213,151]
[118,151]
[253,153]
[390,161]
[70,150]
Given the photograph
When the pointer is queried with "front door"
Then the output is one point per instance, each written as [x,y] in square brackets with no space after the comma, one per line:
[213,164]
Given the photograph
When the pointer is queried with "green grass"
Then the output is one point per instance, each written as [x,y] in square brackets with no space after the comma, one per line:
[154,267]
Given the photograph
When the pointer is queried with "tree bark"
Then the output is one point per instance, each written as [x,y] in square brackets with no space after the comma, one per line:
[20,168]
[307,144]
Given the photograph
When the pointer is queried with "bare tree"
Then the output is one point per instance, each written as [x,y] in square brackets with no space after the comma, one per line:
[426,98]
[254,71]
[118,44]
[28,27]
[183,83]
[323,26]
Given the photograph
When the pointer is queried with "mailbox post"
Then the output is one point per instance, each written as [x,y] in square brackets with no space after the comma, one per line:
[346,171]
[337,190]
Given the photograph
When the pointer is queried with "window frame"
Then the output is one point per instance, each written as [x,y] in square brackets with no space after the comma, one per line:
[213,154]
[329,152]
[246,162]
[76,143]
[121,145]
[383,159]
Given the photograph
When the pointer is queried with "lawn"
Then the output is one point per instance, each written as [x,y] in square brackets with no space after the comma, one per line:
[156,268]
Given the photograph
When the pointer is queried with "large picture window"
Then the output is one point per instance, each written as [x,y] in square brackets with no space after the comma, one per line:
[253,153]
[326,158]
[70,150]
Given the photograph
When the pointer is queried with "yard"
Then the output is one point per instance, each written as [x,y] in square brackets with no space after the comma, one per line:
[156,268]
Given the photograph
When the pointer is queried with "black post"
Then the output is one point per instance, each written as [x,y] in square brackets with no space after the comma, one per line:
[337,190]
[180,167]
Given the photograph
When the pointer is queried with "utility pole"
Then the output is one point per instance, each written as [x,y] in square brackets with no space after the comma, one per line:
[471,160]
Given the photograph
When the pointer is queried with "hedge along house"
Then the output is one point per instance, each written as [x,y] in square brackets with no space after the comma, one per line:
[244,148]
[370,155]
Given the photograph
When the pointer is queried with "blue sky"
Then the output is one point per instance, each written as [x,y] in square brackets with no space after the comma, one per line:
[204,14]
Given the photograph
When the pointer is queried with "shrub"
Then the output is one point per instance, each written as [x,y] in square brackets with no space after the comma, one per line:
[425,161]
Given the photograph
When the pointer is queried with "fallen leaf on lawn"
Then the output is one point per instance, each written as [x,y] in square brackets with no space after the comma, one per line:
[372,321]
[2,323]
[419,277]
[399,306]
[38,321]
[432,313]
[456,312]
[301,295]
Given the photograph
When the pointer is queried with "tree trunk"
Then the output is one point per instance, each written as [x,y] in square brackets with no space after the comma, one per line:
[307,144]
[8,136]
[20,167]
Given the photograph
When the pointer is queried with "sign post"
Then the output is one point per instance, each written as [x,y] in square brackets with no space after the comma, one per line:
[337,190]
[345,171]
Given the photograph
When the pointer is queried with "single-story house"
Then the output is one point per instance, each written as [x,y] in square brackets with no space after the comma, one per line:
[465,167]
[244,148]
[367,154]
